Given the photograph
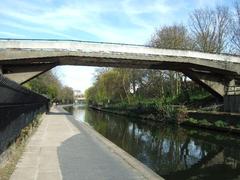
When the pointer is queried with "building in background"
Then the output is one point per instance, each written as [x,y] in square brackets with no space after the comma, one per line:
[79,98]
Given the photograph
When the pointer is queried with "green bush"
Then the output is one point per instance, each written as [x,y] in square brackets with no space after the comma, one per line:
[205,122]
[220,123]
[238,126]
[192,120]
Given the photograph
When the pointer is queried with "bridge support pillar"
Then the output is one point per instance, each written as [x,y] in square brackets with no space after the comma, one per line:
[225,90]
[232,97]
[23,74]
[232,103]
[211,84]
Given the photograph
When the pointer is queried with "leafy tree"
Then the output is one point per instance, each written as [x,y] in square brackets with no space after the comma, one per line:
[172,37]
[48,84]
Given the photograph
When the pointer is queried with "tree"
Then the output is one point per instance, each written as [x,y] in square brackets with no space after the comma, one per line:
[66,95]
[210,29]
[49,85]
[172,37]
[110,85]
[236,28]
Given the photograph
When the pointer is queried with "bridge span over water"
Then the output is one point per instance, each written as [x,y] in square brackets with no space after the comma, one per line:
[22,60]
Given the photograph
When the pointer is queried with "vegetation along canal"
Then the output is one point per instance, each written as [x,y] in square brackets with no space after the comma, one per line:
[171,151]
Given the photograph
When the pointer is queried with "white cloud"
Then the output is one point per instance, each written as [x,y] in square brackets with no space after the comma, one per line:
[136,7]
[10,34]
[125,21]
[34,29]
[206,3]
[87,17]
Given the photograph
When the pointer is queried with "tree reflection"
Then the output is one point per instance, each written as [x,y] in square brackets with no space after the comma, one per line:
[172,152]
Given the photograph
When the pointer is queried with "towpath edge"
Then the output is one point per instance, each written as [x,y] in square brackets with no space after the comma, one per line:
[63,148]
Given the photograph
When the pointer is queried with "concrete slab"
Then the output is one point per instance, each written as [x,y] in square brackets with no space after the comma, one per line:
[44,175]
[62,148]
[26,173]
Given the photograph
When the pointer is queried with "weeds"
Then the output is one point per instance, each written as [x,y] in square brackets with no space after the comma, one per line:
[16,149]
[220,123]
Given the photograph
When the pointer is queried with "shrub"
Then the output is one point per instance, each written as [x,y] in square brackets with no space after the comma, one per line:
[192,120]
[220,123]
[238,126]
[205,122]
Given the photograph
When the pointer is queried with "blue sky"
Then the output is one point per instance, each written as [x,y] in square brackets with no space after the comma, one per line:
[123,21]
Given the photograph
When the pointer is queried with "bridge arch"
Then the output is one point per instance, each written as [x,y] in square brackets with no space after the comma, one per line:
[22,60]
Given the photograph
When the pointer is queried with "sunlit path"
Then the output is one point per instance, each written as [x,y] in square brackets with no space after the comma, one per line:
[60,150]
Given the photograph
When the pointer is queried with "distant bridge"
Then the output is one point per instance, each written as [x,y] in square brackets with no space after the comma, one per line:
[22,60]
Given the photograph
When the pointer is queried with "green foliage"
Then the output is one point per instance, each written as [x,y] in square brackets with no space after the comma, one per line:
[47,84]
[114,86]
[145,90]
[238,126]
[109,87]
[220,123]
[192,120]
[204,122]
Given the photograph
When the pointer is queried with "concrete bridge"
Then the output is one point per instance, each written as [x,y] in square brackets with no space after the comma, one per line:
[22,60]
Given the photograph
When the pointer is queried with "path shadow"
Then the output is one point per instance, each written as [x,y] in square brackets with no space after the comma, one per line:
[81,157]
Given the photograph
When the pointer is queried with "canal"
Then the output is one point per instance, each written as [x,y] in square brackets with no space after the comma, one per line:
[172,152]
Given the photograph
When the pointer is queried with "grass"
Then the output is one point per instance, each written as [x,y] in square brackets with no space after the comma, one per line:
[16,149]
[14,155]
[199,122]
[216,124]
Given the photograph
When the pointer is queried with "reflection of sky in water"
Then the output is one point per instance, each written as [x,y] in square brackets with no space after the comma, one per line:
[164,149]
[166,145]
[79,114]
[194,151]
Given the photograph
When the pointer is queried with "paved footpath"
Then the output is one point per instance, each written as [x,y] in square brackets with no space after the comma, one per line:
[63,148]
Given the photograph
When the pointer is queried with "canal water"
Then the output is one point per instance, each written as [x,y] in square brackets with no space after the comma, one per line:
[172,152]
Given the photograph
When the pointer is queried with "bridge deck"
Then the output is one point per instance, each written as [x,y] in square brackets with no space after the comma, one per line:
[62,148]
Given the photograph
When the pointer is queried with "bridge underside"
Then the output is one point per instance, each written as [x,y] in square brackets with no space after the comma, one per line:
[23,60]
[213,80]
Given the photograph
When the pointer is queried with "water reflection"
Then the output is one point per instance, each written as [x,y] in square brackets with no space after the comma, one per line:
[172,152]
[79,113]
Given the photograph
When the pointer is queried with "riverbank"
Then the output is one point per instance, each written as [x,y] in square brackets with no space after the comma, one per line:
[10,157]
[217,121]
[145,112]
[173,152]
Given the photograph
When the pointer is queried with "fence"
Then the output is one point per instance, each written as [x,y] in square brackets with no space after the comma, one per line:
[18,107]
